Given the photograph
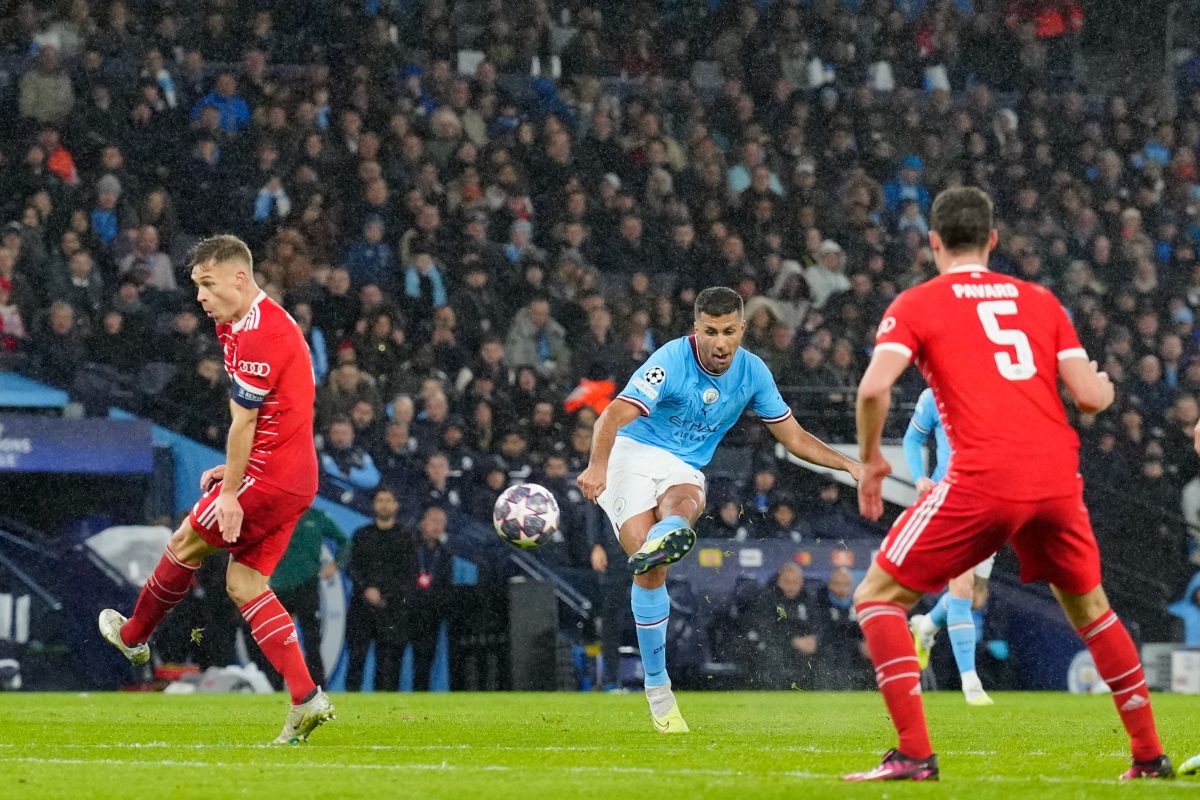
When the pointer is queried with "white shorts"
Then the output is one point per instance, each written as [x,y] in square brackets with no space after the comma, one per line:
[638,475]
[983,569]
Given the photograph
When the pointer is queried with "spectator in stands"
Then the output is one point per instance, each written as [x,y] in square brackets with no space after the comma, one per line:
[537,340]
[82,286]
[347,471]
[513,452]
[428,425]
[783,522]
[148,263]
[46,94]
[729,521]
[370,259]
[787,622]
[114,346]
[438,488]
[907,186]
[59,347]
[337,309]
[379,568]
[1150,388]
[844,662]
[827,277]
[198,401]
[368,428]
[579,449]
[347,385]
[762,492]
[233,110]
[396,458]
[424,289]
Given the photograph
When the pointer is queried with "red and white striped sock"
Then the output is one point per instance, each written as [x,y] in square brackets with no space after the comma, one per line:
[1117,661]
[272,627]
[885,627]
[164,589]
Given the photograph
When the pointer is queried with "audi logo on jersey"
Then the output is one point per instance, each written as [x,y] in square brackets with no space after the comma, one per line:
[259,369]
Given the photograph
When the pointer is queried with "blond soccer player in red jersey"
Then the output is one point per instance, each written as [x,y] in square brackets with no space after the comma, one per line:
[993,349]
[251,503]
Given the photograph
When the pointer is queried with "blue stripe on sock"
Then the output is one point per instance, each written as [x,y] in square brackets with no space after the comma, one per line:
[651,610]
[961,627]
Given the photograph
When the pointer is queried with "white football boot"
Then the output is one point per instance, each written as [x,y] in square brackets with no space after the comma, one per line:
[111,623]
[305,718]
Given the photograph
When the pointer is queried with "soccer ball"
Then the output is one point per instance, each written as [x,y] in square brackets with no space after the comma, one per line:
[525,515]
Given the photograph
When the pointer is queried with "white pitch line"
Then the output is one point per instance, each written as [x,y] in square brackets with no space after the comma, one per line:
[804,748]
[445,767]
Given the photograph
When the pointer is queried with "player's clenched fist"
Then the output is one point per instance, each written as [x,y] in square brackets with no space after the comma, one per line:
[592,482]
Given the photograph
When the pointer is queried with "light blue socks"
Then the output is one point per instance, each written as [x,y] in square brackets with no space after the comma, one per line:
[961,625]
[651,609]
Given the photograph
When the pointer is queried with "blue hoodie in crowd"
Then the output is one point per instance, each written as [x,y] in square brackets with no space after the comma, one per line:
[372,263]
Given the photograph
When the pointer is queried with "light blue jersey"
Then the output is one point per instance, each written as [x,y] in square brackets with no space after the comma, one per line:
[687,410]
[926,422]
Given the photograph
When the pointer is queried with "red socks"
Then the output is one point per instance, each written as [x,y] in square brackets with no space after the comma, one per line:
[1117,661]
[164,590]
[271,626]
[885,627]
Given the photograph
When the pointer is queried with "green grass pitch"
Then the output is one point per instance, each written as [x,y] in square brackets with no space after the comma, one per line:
[550,746]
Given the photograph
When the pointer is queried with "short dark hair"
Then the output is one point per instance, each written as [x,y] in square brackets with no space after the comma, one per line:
[385,490]
[717,301]
[222,247]
[962,217]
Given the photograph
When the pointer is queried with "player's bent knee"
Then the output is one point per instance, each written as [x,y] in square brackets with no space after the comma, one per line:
[188,545]
[685,500]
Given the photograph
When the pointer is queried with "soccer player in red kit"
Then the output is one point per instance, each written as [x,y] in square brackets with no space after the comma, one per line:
[993,349]
[251,503]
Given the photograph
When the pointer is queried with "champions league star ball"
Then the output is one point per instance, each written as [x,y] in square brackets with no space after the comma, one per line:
[525,515]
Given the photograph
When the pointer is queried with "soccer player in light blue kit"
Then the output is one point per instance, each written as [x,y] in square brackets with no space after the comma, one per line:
[649,446]
[953,608]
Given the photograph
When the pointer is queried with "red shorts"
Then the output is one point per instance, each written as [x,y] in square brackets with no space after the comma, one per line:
[269,516]
[953,528]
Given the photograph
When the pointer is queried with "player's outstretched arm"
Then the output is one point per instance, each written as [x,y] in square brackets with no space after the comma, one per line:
[593,479]
[874,399]
[803,444]
[1091,388]
[237,457]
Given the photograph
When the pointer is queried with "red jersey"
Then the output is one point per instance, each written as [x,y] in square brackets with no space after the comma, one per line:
[989,346]
[271,370]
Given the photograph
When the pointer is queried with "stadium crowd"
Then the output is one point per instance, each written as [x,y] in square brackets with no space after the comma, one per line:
[480,259]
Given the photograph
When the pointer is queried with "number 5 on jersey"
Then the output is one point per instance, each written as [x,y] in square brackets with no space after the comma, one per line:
[1023,368]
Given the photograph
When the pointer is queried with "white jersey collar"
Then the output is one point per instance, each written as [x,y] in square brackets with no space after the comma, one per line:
[241,323]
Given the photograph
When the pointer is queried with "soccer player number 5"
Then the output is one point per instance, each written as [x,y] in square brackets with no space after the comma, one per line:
[1023,368]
